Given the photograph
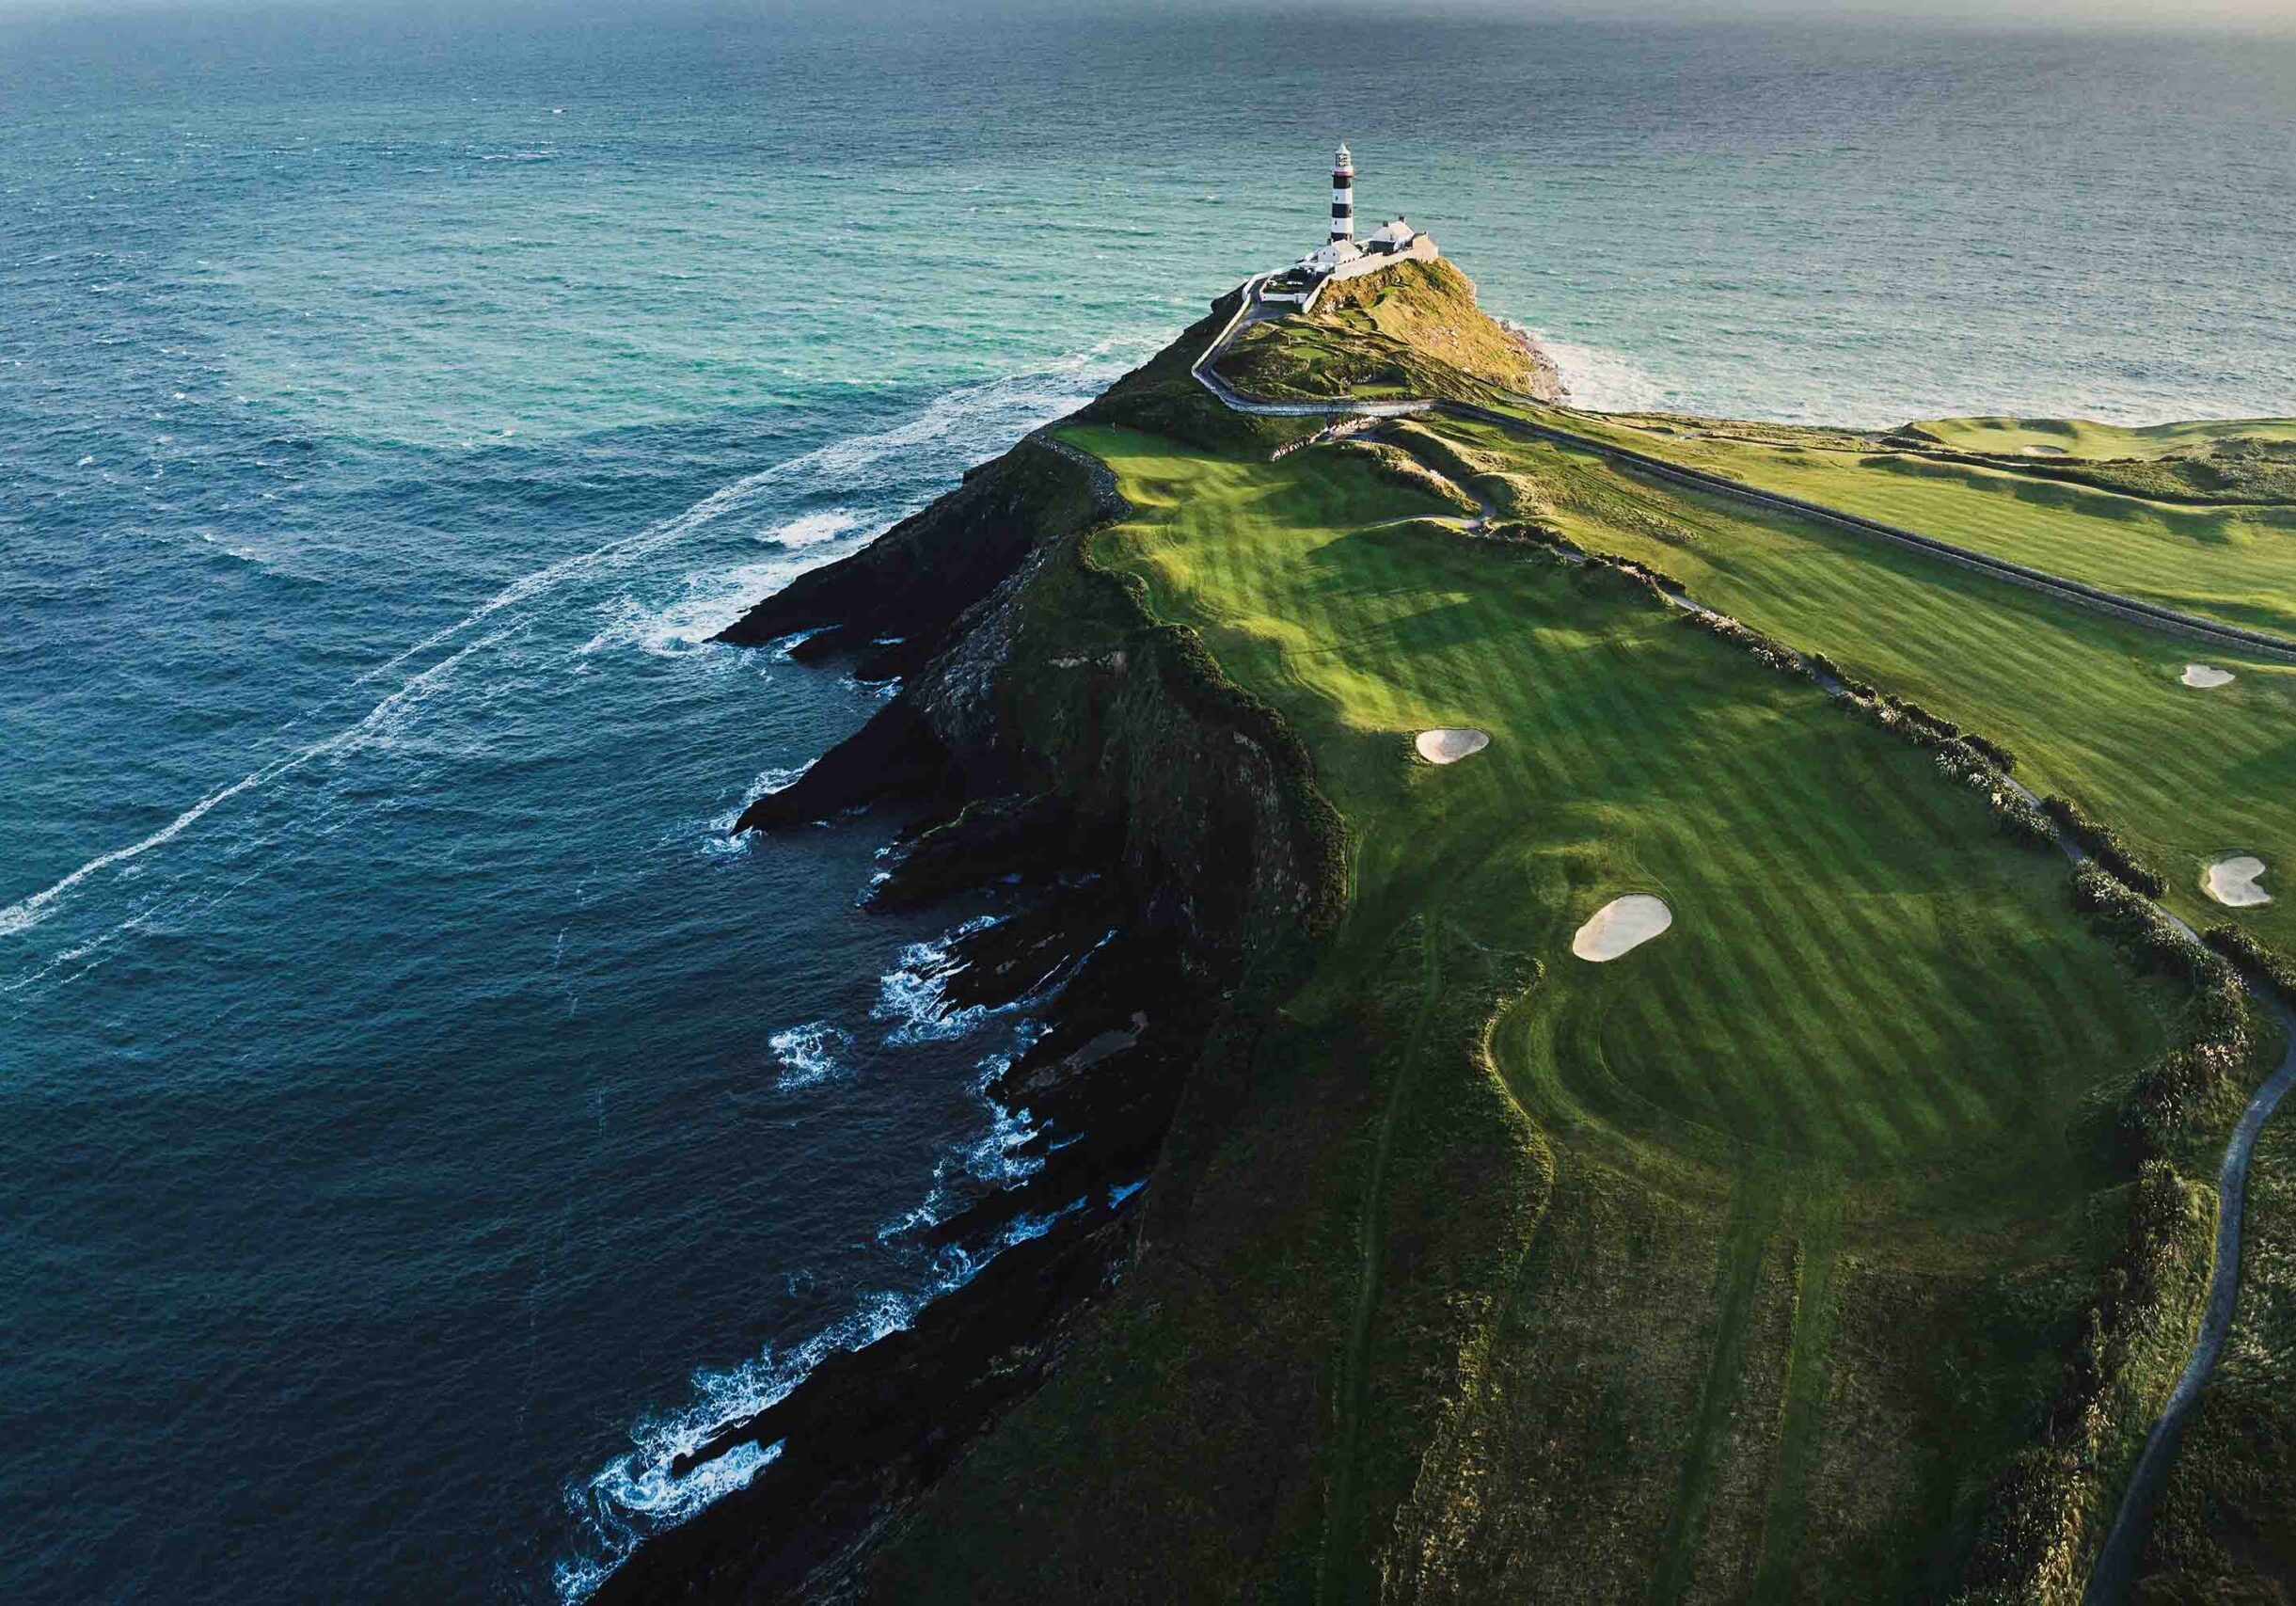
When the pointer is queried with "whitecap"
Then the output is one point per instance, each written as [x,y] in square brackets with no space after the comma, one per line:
[970,422]
[783,648]
[809,1053]
[912,995]
[713,599]
[718,840]
[636,1494]
[811,529]
[996,1158]
[876,690]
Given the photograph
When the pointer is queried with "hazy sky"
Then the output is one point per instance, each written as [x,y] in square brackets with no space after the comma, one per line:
[2004,13]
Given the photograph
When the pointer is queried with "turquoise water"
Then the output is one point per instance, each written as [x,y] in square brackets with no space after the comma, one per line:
[417,1119]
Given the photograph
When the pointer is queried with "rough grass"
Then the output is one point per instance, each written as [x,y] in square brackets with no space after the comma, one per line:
[2091,707]
[1412,330]
[1399,468]
[2081,437]
[1430,307]
[1875,1030]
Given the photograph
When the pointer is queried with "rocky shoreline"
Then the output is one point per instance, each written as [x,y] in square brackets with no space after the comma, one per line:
[1150,834]
[869,1428]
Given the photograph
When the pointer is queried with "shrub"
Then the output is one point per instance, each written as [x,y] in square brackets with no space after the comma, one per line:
[2168,1092]
[2253,959]
[1602,567]
[1826,667]
[2105,845]
[1533,531]
[1923,717]
[1998,756]
[2031,1529]
[2021,818]
[1766,650]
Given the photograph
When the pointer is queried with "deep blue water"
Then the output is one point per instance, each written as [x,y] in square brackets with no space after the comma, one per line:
[416,1118]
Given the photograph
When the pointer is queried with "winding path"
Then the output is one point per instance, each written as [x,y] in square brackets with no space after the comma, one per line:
[2112,1577]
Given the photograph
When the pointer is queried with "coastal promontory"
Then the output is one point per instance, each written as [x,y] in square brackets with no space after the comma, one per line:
[1621,1009]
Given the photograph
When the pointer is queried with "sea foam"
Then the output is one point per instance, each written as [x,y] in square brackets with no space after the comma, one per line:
[809,1053]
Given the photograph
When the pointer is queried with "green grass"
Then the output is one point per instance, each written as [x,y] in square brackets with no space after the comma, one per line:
[2237,564]
[1875,1025]
[2226,1529]
[2091,706]
[1828,993]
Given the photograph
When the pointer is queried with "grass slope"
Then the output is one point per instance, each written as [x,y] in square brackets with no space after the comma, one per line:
[1792,1257]
[2092,706]
[2226,1529]
[1411,330]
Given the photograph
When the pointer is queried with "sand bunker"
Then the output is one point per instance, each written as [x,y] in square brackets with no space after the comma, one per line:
[2044,451]
[1450,745]
[1622,925]
[2233,883]
[2201,674]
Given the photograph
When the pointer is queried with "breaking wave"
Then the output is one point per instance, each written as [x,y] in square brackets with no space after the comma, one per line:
[947,435]
[638,1494]
[913,995]
[809,1053]
[1607,381]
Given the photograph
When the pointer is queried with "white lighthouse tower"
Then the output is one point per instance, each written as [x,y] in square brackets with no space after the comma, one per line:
[1343,196]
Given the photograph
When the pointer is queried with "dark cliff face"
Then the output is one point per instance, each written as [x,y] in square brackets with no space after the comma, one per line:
[1064,687]
[1033,674]
[1060,688]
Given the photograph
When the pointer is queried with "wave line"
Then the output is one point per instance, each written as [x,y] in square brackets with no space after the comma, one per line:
[29,912]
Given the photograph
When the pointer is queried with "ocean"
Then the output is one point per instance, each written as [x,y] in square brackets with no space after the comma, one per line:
[418,1117]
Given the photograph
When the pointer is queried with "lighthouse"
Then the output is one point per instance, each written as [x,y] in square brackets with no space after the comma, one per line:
[1341,255]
